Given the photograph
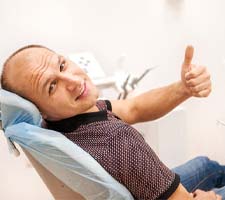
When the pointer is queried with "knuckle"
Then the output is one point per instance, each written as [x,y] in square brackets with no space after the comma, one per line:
[201,95]
[204,68]
[206,94]
[191,74]
[191,82]
[194,74]
[208,76]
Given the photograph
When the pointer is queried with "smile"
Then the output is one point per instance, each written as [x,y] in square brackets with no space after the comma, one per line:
[83,91]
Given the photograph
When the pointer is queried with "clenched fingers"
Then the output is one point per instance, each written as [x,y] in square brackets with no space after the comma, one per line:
[198,81]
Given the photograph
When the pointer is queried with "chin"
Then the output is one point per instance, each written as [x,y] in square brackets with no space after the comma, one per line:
[93,101]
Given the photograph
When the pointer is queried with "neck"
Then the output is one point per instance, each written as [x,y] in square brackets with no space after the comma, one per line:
[92,109]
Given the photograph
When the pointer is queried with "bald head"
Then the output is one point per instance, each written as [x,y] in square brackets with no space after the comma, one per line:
[13,66]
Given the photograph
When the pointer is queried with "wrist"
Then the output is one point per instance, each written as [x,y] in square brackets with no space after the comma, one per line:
[182,90]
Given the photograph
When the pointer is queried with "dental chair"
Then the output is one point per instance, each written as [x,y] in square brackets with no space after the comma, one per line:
[68,171]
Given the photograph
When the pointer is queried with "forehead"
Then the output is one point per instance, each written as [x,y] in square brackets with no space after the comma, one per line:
[30,59]
[32,55]
[26,63]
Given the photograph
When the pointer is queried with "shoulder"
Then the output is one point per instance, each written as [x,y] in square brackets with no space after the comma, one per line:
[125,109]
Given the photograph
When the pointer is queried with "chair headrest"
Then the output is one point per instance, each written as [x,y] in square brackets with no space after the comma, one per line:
[16,109]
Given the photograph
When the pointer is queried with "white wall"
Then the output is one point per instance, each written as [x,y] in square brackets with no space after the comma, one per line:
[149,32]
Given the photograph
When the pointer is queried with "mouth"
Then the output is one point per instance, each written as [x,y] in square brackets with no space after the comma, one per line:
[83,91]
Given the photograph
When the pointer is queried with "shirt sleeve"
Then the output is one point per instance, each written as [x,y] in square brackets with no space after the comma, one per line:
[138,168]
[108,104]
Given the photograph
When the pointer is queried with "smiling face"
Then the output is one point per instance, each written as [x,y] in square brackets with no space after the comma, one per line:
[56,85]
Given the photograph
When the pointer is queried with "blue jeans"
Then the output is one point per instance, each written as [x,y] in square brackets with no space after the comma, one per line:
[202,173]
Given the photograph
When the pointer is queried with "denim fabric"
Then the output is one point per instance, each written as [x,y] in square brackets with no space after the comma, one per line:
[202,173]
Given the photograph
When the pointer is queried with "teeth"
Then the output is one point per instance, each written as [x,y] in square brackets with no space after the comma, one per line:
[82,90]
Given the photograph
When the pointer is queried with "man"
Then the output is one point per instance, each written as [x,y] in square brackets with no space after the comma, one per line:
[67,100]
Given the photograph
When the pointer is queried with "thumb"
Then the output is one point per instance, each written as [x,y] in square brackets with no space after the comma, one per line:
[188,55]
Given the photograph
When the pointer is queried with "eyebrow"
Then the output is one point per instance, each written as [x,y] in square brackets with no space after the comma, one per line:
[49,79]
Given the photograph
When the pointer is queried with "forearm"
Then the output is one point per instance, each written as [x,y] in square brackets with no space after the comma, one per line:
[195,81]
[158,102]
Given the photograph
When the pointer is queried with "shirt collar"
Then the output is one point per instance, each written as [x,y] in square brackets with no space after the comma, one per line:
[72,123]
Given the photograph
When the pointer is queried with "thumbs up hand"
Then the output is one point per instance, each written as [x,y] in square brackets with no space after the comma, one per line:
[195,79]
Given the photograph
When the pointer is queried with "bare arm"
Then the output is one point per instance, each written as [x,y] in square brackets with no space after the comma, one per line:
[150,105]
[195,81]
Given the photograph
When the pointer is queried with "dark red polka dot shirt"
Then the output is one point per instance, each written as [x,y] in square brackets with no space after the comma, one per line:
[121,150]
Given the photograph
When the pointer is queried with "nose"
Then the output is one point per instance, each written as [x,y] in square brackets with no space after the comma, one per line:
[72,82]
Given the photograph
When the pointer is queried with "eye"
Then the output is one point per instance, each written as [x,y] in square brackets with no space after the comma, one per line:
[62,66]
[51,87]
